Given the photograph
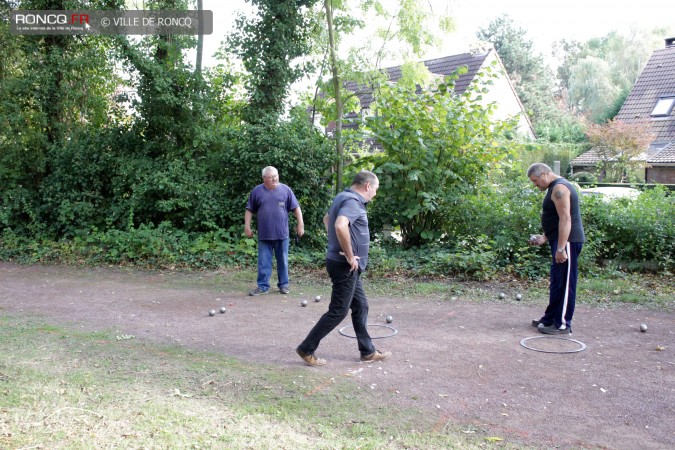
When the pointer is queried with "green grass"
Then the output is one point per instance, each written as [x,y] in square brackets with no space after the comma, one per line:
[61,388]
[636,289]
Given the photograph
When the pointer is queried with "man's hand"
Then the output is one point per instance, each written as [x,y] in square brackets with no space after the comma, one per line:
[537,239]
[353,261]
[561,257]
[248,231]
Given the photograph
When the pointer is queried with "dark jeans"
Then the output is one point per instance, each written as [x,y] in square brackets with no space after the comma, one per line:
[347,294]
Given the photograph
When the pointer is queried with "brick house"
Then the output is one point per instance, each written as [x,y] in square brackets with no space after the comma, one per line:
[652,98]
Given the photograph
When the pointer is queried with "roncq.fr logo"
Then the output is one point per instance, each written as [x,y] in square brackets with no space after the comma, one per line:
[50,19]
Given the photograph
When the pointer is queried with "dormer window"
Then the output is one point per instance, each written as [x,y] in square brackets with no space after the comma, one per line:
[663,106]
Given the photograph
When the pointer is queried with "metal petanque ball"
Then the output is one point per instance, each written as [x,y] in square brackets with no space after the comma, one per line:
[502,295]
[317,298]
[222,310]
[303,303]
[643,327]
[519,297]
[212,312]
[390,319]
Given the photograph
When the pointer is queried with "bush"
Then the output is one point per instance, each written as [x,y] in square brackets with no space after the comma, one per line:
[436,146]
[507,214]
[146,246]
[639,230]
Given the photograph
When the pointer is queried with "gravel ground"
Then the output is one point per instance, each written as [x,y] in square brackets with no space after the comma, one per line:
[460,361]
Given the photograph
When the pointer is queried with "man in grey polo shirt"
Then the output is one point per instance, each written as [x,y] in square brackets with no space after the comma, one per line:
[346,257]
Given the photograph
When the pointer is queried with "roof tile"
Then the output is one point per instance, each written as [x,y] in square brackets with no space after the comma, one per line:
[664,156]
[656,80]
[441,66]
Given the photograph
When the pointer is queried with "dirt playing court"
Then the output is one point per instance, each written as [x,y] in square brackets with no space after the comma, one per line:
[458,360]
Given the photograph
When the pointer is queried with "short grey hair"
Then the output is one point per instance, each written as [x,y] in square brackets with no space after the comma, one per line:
[364,177]
[538,169]
[269,169]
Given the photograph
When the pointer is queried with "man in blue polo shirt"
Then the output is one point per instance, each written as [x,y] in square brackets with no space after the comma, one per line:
[271,202]
[346,257]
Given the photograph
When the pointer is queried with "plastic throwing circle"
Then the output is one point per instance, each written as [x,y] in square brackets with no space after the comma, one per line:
[581,348]
[394,330]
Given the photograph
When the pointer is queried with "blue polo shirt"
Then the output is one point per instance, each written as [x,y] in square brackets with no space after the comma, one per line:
[271,207]
[351,205]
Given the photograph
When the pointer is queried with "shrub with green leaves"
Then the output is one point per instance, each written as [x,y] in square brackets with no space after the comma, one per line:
[437,146]
[640,230]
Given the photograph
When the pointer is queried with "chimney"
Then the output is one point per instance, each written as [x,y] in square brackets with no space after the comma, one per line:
[670,42]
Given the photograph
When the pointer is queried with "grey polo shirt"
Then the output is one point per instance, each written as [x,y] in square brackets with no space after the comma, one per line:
[351,205]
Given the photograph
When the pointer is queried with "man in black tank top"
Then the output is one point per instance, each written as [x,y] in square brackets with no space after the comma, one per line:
[563,230]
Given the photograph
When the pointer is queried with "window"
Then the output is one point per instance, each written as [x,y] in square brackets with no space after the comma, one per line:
[663,106]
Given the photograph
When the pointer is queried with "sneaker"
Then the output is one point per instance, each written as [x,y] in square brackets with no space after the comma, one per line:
[376,356]
[535,323]
[552,329]
[311,360]
[257,291]
[284,290]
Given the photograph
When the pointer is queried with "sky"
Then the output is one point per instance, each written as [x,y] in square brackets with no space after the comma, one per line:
[545,21]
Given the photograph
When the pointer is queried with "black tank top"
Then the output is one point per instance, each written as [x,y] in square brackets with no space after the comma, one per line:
[549,215]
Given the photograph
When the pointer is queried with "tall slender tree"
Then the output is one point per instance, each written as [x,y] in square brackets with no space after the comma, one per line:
[339,110]
[407,27]
[200,38]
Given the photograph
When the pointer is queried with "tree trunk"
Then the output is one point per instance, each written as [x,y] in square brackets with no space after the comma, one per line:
[200,37]
[338,100]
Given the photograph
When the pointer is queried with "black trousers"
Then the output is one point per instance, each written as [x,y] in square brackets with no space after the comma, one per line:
[562,287]
[347,294]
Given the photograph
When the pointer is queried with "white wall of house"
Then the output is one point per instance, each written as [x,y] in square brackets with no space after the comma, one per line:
[506,99]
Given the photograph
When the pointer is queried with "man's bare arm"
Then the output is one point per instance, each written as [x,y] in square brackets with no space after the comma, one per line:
[301,225]
[561,199]
[247,223]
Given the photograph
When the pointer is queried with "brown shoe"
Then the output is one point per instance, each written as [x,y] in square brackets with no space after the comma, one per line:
[311,360]
[376,356]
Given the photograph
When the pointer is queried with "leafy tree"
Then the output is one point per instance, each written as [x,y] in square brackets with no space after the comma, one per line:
[619,145]
[591,89]
[168,92]
[437,145]
[51,87]
[406,29]
[596,76]
[269,46]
